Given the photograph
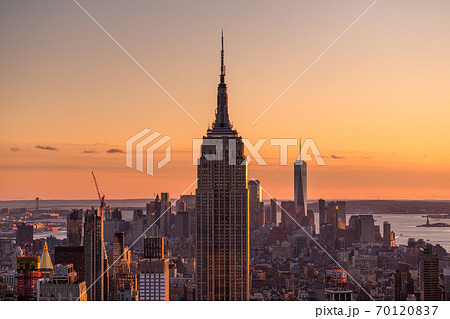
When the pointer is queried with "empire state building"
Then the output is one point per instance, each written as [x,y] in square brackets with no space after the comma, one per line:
[222,247]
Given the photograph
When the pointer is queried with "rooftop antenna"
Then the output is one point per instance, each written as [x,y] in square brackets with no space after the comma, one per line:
[222,64]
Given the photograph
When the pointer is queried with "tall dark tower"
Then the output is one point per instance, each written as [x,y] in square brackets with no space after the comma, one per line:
[429,274]
[94,254]
[222,246]
[300,194]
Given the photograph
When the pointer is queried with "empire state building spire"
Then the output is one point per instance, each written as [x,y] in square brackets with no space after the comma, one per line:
[222,65]
[222,125]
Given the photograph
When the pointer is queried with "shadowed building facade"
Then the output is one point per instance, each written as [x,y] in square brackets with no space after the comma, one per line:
[300,188]
[222,244]
[94,262]
[256,205]
[429,274]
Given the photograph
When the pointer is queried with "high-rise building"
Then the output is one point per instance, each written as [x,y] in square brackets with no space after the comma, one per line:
[404,284]
[272,216]
[139,226]
[222,241]
[367,232]
[120,251]
[300,188]
[94,254]
[75,227]
[121,277]
[105,275]
[182,224]
[287,214]
[114,224]
[166,214]
[154,211]
[188,202]
[429,274]
[256,205]
[311,221]
[154,279]
[331,214]
[446,274]
[28,272]
[363,227]
[125,283]
[74,255]
[154,248]
[322,216]
[24,234]
[341,214]
[386,232]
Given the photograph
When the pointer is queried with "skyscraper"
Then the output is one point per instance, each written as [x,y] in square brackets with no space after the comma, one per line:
[28,272]
[119,273]
[300,188]
[273,212]
[154,271]
[93,254]
[341,214]
[367,229]
[154,247]
[75,227]
[386,233]
[24,234]
[166,214]
[331,214]
[429,274]
[287,213]
[222,244]
[322,216]
[256,207]
[74,255]
[119,252]
[154,279]
[404,284]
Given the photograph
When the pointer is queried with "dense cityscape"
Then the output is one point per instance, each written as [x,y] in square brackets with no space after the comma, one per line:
[229,241]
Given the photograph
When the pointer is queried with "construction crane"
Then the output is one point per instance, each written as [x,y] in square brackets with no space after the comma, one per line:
[101,197]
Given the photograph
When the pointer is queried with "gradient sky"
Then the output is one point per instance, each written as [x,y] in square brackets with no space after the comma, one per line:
[377,104]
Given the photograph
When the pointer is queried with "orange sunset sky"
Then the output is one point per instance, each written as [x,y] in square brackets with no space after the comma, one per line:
[377,104]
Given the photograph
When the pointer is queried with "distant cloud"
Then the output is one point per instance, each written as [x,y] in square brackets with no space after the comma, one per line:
[337,157]
[114,150]
[89,152]
[46,148]
[15,149]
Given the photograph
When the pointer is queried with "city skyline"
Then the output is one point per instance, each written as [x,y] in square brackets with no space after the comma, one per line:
[323,175]
[56,131]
